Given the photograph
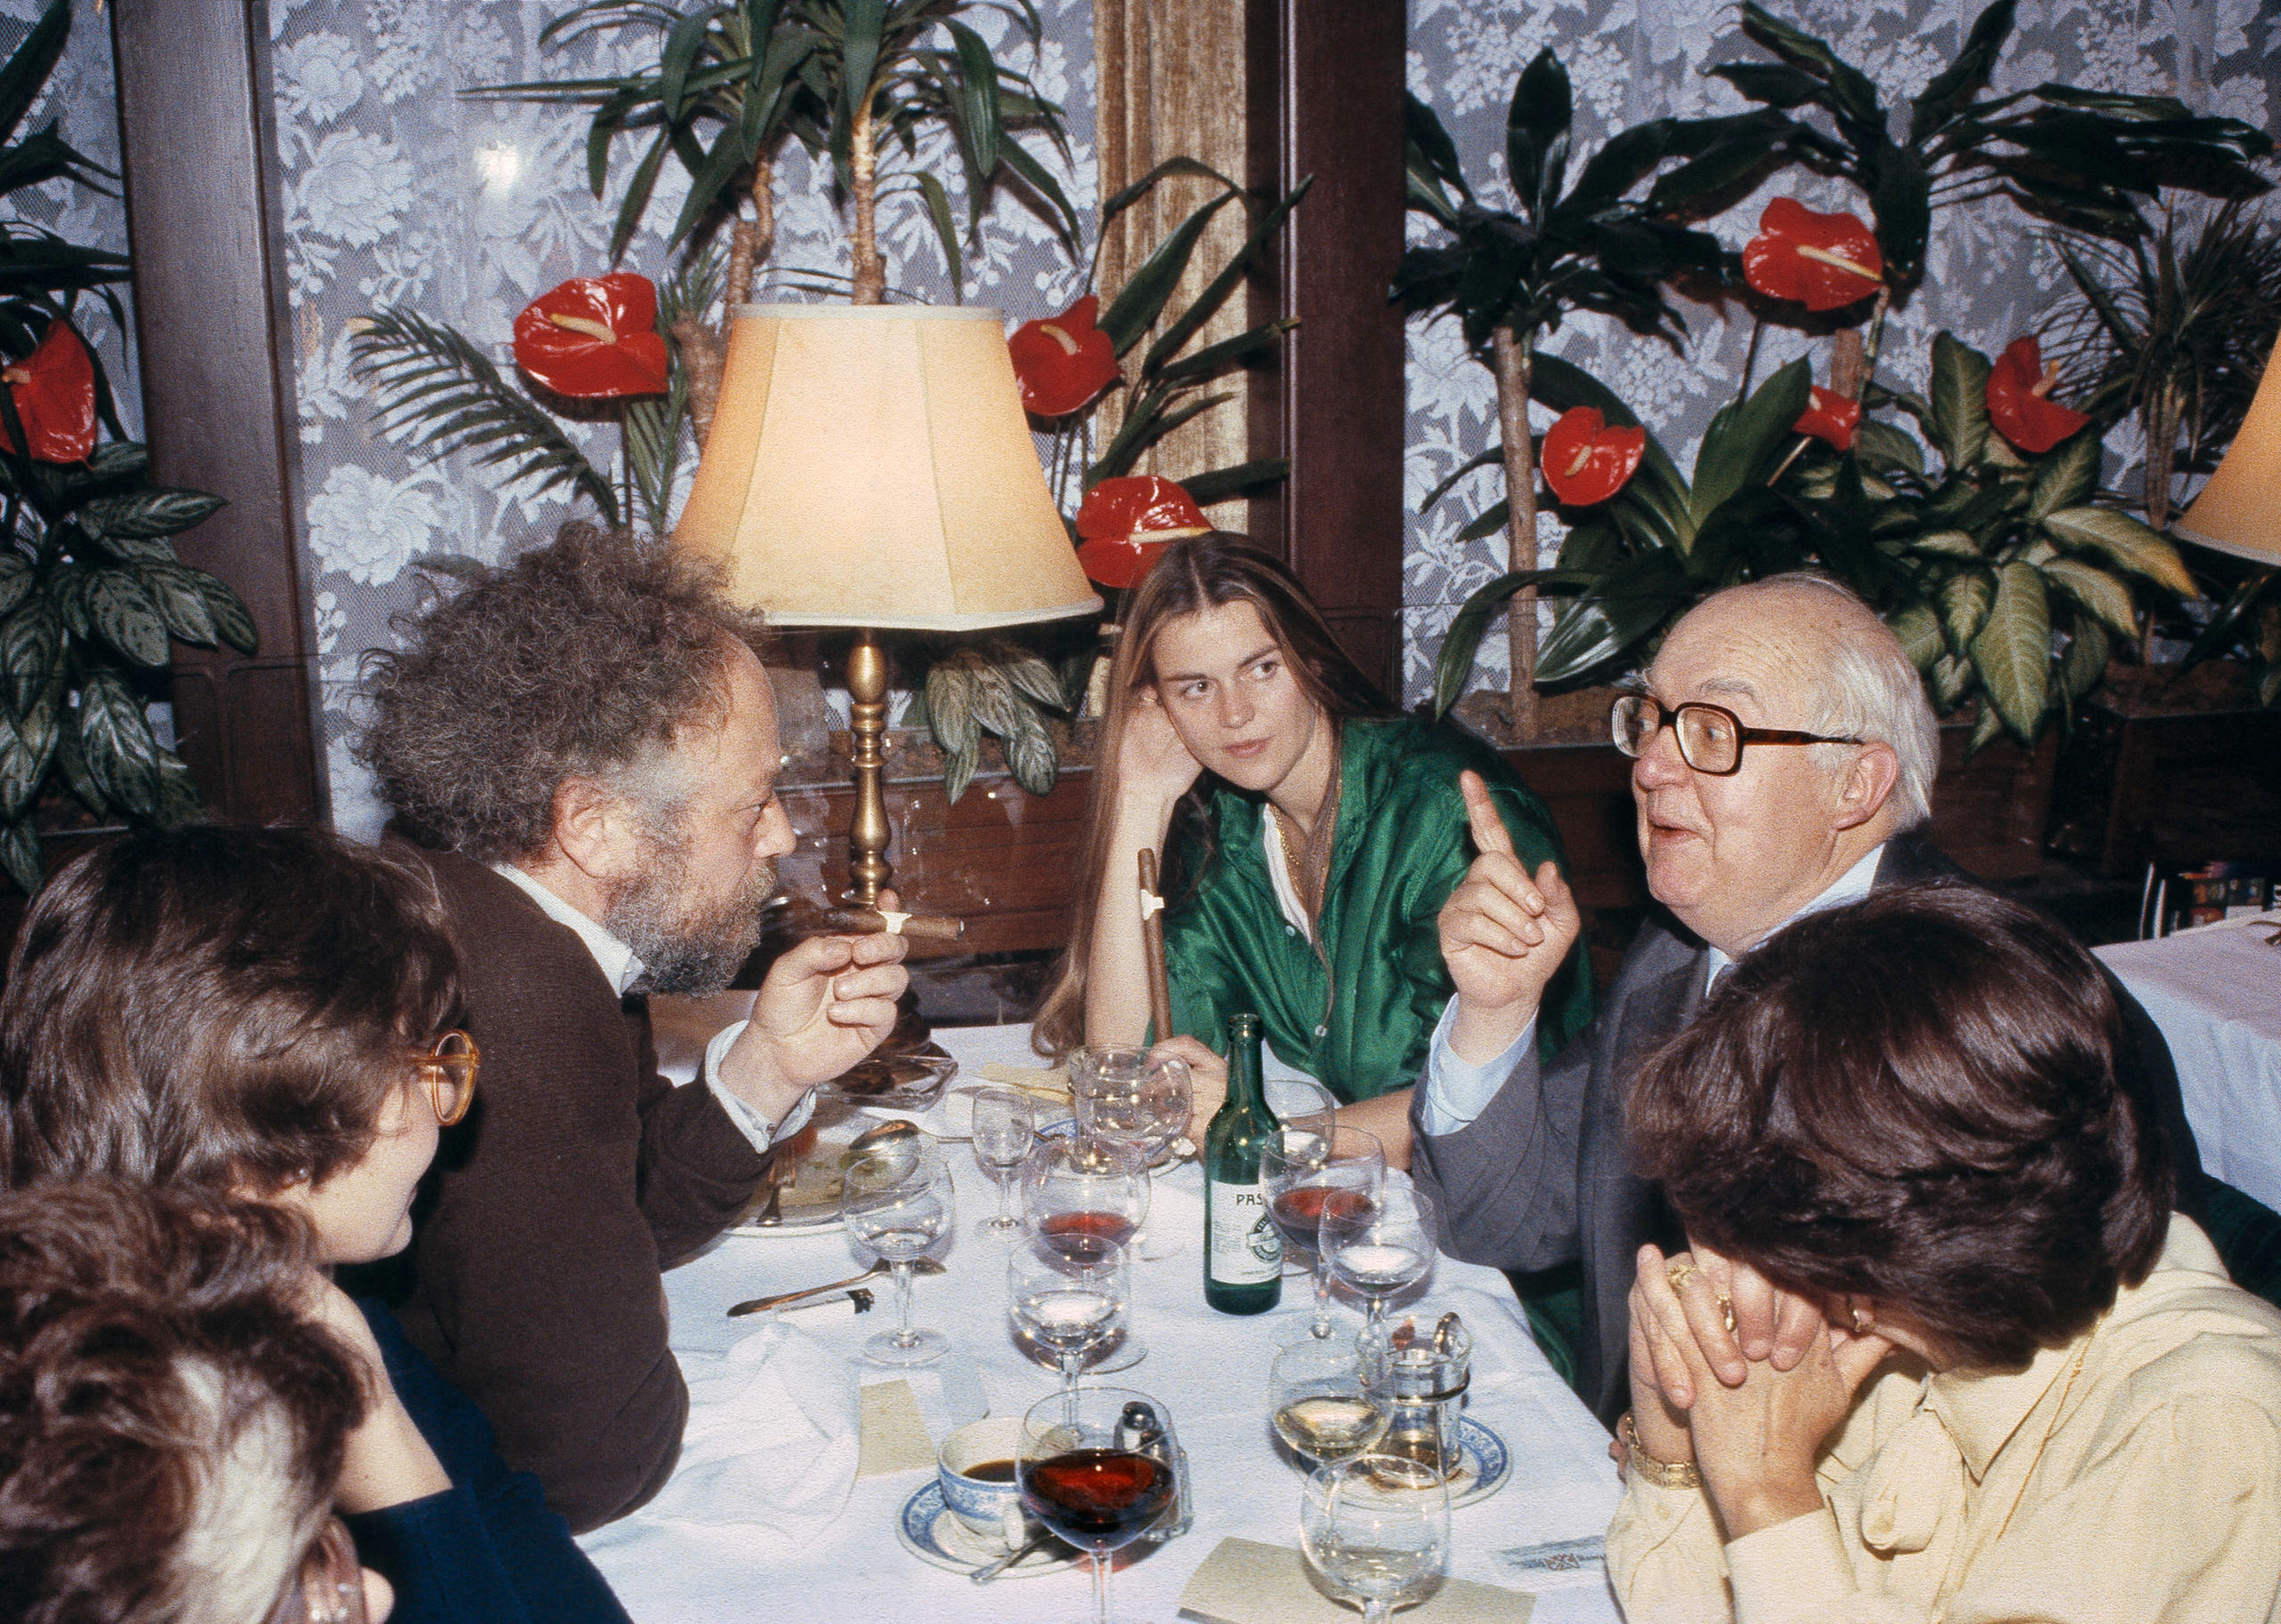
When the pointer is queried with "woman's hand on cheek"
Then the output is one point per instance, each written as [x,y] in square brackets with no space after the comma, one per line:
[1152,763]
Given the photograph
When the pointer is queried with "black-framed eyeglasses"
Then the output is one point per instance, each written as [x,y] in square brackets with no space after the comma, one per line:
[330,1586]
[1711,738]
[448,1068]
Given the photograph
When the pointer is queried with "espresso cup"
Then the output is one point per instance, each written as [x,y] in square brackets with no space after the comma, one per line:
[976,1468]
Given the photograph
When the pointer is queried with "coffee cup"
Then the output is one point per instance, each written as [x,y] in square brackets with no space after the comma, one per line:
[976,1468]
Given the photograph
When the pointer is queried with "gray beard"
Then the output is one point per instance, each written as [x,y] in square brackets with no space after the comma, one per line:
[690,946]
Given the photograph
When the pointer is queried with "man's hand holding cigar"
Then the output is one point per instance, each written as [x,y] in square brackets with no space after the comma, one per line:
[827,1003]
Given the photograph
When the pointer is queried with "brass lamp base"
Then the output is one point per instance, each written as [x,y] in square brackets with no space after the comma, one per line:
[867,725]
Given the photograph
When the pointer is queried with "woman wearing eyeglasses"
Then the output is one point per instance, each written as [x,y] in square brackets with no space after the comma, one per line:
[1308,841]
[267,1015]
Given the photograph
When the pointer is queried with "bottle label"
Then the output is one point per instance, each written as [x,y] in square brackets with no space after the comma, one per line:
[1245,1249]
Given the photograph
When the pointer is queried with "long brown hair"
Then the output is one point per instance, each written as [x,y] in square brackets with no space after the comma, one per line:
[1191,576]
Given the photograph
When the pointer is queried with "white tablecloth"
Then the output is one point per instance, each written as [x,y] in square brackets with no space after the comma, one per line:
[2216,993]
[1209,1369]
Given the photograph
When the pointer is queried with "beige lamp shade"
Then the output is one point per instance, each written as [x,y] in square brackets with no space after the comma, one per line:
[871,466]
[2239,510]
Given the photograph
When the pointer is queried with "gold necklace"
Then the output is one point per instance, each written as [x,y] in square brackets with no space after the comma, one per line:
[2044,1443]
[1291,864]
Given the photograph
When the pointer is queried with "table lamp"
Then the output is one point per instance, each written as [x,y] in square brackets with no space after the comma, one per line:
[2239,510]
[870,467]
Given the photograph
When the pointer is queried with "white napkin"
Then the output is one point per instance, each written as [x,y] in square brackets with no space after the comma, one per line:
[772,1442]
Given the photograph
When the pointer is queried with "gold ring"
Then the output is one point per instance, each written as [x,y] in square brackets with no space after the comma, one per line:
[1858,1328]
[1677,1274]
[1727,1311]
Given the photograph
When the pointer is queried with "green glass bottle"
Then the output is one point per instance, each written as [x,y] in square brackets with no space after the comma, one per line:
[1243,1256]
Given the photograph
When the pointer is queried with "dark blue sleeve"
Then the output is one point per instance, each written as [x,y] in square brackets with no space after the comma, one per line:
[487,1550]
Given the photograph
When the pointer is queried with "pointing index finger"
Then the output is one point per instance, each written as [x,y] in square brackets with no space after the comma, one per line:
[1489,832]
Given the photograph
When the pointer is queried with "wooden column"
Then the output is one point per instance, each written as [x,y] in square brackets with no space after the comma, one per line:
[1325,86]
[199,154]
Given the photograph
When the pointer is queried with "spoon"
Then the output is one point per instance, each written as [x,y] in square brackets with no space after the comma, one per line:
[983,1575]
[919,1267]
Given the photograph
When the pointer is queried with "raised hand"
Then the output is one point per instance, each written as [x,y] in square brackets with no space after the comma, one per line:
[1153,768]
[1504,932]
[826,1004]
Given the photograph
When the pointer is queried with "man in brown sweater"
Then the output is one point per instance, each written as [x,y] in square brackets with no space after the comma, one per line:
[585,747]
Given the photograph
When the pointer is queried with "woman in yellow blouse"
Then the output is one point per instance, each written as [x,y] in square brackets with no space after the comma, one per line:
[2039,1395]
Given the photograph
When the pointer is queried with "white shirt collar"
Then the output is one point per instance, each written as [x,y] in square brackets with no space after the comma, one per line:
[618,963]
[1851,887]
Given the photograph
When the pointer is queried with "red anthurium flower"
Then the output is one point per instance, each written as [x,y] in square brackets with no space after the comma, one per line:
[1832,418]
[1585,461]
[1822,261]
[54,391]
[594,338]
[1063,363]
[2019,403]
[1127,522]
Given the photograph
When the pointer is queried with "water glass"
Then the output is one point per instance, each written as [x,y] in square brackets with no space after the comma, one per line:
[1004,1128]
[897,1202]
[1121,1096]
[1378,1527]
[1072,1305]
[1384,1250]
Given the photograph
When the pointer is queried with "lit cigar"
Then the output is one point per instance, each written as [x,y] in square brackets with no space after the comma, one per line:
[932,927]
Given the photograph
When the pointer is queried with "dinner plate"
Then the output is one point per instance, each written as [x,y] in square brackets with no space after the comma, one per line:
[811,1203]
[1483,1462]
[928,1531]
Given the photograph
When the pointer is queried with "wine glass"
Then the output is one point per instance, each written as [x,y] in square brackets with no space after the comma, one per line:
[1310,1170]
[1377,1527]
[1003,1130]
[1123,1096]
[897,1201]
[1293,1098]
[1095,1474]
[1077,1189]
[1323,1409]
[1071,1302]
[1384,1249]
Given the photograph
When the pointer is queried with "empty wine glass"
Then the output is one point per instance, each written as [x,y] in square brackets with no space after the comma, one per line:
[897,1202]
[1071,1303]
[1309,1170]
[1096,1466]
[1384,1250]
[1323,1409]
[1376,1527]
[1003,1130]
[1120,1095]
[1078,1190]
[1294,1097]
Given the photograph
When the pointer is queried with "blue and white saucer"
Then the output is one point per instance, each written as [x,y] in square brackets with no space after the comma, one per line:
[1483,1462]
[929,1532]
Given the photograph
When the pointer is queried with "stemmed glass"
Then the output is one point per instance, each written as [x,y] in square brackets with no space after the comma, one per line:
[1123,1097]
[1076,1190]
[1323,1409]
[1309,1170]
[1070,1304]
[897,1202]
[1003,1128]
[1377,1527]
[1094,1477]
[1384,1250]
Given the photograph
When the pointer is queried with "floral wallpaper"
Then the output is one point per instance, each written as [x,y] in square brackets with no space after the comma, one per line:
[398,191]
[1989,278]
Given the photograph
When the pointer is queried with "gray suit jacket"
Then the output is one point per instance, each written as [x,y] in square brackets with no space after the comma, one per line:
[1541,1177]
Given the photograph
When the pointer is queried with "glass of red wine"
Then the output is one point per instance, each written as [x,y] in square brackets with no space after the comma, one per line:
[1096,1466]
[1311,1171]
[1072,1301]
[1079,1194]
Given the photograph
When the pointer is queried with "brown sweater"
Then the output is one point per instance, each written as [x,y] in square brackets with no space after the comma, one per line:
[580,1174]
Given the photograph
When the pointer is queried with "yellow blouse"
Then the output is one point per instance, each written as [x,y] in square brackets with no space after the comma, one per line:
[2146,1484]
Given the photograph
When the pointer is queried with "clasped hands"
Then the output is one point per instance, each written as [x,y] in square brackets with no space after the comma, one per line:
[827,1003]
[1743,1378]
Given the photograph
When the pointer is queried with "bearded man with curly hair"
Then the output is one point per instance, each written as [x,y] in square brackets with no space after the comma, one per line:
[582,747]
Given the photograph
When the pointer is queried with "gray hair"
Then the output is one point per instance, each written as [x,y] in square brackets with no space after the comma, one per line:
[1871,691]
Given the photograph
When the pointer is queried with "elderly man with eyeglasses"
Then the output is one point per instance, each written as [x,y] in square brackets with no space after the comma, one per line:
[1783,762]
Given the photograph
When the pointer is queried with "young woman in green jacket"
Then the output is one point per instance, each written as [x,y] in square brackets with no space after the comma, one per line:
[1308,840]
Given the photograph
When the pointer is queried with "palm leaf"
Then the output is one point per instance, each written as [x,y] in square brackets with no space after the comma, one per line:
[436,394]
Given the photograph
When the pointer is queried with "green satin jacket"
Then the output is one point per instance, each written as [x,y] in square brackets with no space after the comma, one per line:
[1358,1012]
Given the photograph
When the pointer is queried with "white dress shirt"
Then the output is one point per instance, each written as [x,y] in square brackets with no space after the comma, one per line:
[1457,1091]
[622,966]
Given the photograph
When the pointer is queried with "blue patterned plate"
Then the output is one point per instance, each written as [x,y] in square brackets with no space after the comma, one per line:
[1483,1462]
[929,1532]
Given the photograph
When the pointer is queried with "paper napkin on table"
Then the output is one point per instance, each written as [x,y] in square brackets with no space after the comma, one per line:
[1245,1582]
[772,1442]
[893,1435]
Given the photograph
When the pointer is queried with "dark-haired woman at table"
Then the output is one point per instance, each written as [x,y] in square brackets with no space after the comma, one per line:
[1905,1113]
[264,1015]
[1309,840]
